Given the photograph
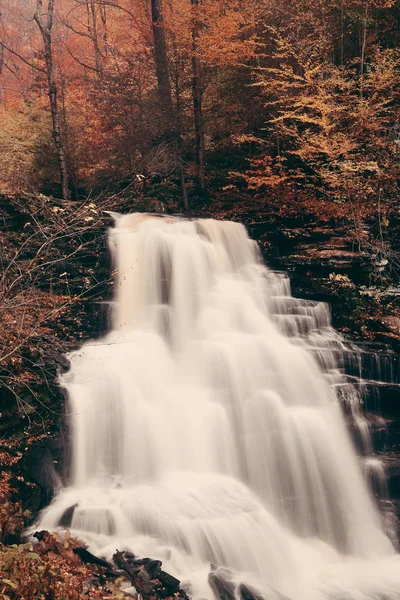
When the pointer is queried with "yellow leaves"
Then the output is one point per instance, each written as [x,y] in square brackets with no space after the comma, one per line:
[18,136]
[335,146]
[10,583]
[224,30]
[267,172]
[360,167]
[332,139]
[239,139]
[33,555]
[379,4]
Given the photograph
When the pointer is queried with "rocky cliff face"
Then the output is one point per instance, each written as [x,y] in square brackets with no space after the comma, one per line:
[324,262]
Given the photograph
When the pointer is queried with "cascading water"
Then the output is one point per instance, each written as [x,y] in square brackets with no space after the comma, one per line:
[207,425]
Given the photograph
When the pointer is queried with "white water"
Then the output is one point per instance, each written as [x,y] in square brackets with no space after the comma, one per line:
[207,427]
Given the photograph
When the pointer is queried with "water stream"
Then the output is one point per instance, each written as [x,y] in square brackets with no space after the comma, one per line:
[209,425]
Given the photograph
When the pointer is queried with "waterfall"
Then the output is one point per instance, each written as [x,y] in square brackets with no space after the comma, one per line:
[208,425]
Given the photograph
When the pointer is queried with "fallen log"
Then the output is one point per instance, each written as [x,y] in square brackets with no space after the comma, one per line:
[147,577]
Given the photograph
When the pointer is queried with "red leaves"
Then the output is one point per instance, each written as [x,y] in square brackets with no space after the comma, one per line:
[50,570]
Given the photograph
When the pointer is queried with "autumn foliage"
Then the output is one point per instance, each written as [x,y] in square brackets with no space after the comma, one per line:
[49,569]
[188,97]
[233,108]
[243,109]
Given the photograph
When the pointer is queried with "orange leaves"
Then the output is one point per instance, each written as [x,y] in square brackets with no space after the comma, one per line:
[12,517]
[379,4]
[332,141]
[227,31]
[285,72]
[48,569]
[267,172]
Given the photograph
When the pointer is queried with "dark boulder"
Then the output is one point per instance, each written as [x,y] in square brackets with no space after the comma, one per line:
[67,516]
[38,468]
[248,593]
[221,584]
[90,559]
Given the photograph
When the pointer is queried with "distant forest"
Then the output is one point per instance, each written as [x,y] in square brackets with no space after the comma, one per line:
[183,100]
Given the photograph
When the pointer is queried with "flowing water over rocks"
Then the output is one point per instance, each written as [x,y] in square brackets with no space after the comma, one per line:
[209,426]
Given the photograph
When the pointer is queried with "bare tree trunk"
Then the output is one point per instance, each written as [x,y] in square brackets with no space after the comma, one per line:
[180,147]
[103,16]
[364,44]
[160,53]
[93,32]
[45,27]
[164,87]
[342,36]
[198,106]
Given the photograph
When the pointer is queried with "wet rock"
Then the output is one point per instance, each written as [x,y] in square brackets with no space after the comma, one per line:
[89,558]
[247,593]
[60,359]
[43,535]
[221,585]
[383,398]
[67,516]
[168,581]
[391,465]
[153,568]
[38,467]
[129,556]
[137,575]
[147,577]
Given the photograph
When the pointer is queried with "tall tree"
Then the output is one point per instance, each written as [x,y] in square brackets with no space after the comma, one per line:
[164,86]
[45,24]
[93,31]
[363,46]
[161,60]
[197,87]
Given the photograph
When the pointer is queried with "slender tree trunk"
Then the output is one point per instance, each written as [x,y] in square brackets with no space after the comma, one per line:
[198,105]
[45,27]
[278,145]
[342,36]
[164,87]
[364,44]
[180,146]
[93,33]
[103,16]
[161,59]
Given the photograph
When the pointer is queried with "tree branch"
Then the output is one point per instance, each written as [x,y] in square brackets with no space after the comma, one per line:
[82,33]
[38,15]
[50,12]
[84,65]
[27,62]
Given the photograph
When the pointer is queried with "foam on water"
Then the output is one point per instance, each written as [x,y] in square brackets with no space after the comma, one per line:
[207,426]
